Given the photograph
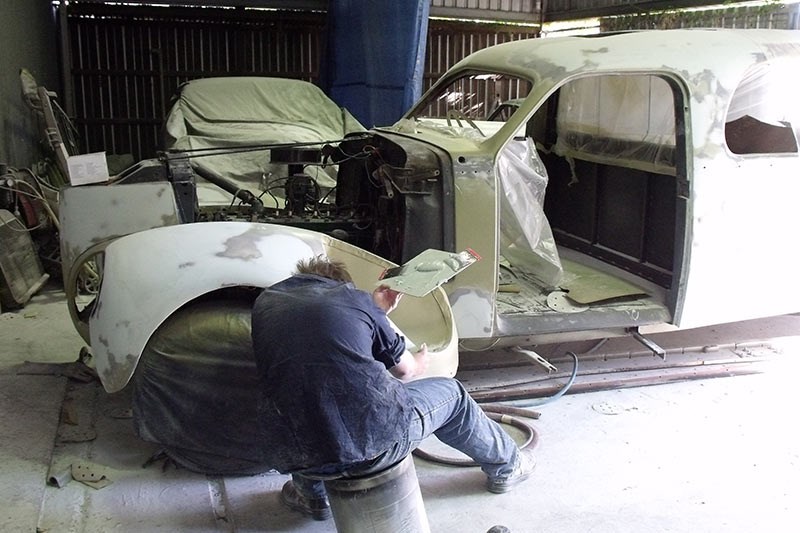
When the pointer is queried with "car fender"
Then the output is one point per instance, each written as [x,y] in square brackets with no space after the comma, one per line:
[148,275]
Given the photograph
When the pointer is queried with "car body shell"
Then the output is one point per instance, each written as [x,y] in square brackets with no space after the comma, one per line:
[736,208]
[734,213]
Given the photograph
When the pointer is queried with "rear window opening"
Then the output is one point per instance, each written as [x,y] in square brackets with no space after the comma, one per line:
[762,117]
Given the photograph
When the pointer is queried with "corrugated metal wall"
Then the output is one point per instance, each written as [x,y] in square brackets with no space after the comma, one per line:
[128,61]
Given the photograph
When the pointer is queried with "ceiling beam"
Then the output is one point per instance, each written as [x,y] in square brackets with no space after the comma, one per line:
[553,11]
[301,5]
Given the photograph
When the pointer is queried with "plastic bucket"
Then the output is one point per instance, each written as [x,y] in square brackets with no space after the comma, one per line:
[386,502]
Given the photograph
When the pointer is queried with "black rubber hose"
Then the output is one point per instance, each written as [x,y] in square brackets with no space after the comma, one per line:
[531,440]
[502,413]
[509,410]
[533,402]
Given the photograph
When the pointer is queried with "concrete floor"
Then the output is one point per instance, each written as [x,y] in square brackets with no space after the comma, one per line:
[703,455]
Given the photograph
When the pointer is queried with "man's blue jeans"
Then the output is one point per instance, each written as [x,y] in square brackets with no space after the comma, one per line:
[443,407]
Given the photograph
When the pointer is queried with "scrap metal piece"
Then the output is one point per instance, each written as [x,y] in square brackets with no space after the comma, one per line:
[60,478]
[90,474]
[75,434]
[427,271]
[559,301]
[123,413]
[537,358]
[21,273]
[649,344]
[77,370]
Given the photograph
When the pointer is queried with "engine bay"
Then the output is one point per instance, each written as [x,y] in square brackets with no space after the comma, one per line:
[392,197]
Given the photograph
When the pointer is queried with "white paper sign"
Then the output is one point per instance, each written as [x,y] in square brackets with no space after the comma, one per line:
[87,168]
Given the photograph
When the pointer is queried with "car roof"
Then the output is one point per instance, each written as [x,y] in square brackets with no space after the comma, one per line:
[688,52]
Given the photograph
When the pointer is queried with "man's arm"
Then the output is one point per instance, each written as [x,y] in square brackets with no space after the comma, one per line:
[411,365]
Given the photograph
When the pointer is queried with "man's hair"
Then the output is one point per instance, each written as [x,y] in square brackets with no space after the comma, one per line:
[322,266]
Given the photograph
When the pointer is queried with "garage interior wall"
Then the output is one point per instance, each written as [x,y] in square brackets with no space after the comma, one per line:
[28,41]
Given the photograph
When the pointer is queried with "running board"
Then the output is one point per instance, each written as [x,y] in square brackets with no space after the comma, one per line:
[650,345]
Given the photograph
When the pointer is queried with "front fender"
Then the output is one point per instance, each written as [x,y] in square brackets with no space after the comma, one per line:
[148,275]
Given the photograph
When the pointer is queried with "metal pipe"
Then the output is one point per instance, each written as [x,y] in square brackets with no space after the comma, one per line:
[242,194]
[66,59]
[671,376]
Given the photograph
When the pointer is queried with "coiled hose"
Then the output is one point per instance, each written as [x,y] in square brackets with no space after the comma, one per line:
[509,413]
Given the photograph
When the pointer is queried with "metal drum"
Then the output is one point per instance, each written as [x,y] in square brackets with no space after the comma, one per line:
[386,502]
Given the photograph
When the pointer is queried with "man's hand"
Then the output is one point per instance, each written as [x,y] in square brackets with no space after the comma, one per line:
[411,365]
[421,360]
[386,298]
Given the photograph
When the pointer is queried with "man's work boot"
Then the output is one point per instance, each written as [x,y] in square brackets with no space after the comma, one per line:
[522,471]
[316,508]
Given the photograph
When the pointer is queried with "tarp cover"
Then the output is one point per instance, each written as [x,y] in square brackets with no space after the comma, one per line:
[244,111]
[195,389]
[376,56]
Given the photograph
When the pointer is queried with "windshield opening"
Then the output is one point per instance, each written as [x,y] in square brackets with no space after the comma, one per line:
[477,102]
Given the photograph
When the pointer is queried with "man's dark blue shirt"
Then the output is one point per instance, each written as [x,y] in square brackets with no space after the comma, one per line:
[322,350]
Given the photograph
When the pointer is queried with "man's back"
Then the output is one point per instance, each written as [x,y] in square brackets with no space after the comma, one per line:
[322,349]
